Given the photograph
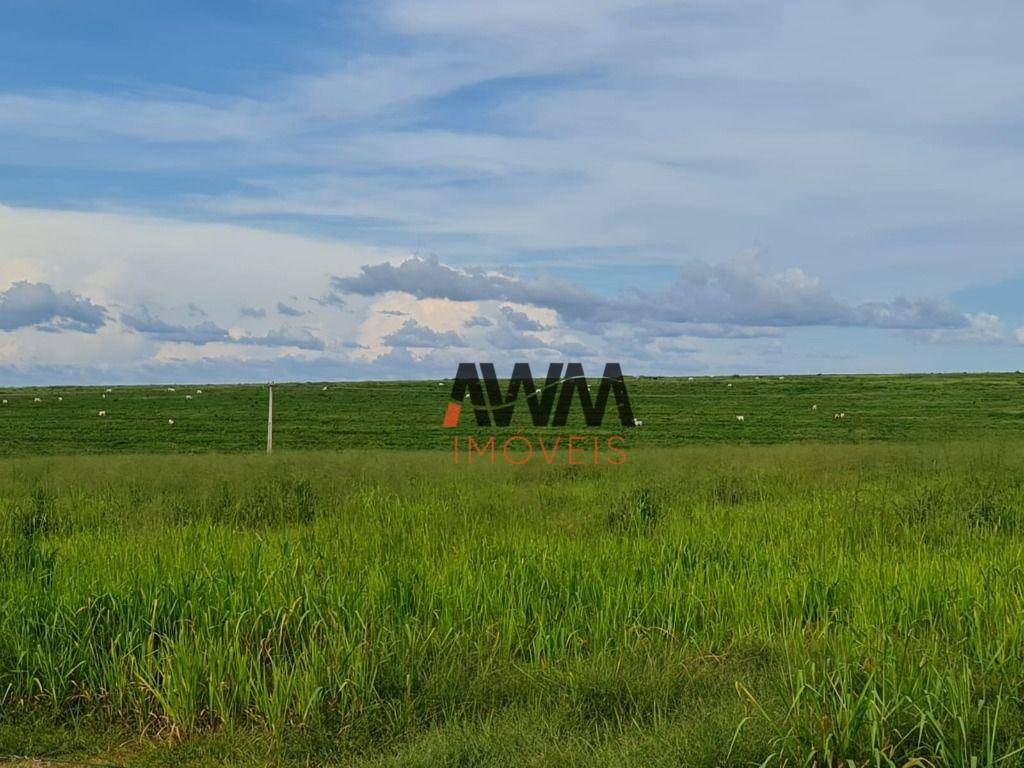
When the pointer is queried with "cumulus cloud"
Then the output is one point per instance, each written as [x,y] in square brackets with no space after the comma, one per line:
[739,294]
[255,312]
[206,332]
[288,311]
[904,313]
[575,349]
[27,304]
[520,320]
[412,334]
[479,321]
[981,328]
[285,336]
[330,299]
[143,321]
[651,330]
[427,278]
[508,339]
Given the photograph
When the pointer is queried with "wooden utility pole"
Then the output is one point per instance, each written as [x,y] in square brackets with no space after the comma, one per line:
[270,418]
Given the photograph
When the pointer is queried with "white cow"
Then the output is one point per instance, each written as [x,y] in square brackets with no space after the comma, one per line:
[638,422]
[814,407]
[102,413]
[188,397]
[37,400]
[741,418]
[170,421]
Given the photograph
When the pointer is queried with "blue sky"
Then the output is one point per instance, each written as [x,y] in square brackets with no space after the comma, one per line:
[244,190]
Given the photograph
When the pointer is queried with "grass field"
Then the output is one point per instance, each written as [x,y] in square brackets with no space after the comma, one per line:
[802,603]
[407,415]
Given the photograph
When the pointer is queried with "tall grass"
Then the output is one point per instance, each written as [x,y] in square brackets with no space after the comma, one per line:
[790,605]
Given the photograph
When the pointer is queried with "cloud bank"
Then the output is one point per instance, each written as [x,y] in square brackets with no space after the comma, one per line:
[26,304]
[736,294]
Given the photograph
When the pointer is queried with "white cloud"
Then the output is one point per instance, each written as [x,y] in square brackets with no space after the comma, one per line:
[412,334]
[981,328]
[660,127]
[740,293]
[619,134]
[131,260]
[285,336]
[38,305]
[148,271]
[196,118]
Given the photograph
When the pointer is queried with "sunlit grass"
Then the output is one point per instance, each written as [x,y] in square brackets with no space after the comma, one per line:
[726,605]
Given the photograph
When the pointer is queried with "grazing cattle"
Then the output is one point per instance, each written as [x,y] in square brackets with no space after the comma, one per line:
[690,379]
[188,397]
[5,402]
[729,385]
[199,391]
[109,389]
[102,413]
[60,399]
[638,422]
[814,407]
[741,418]
[37,400]
[170,421]
[170,389]
[324,389]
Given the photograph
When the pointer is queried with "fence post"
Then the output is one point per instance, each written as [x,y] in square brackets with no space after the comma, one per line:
[270,418]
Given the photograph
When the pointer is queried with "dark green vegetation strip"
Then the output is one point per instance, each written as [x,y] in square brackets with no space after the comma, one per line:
[407,415]
[699,606]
